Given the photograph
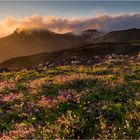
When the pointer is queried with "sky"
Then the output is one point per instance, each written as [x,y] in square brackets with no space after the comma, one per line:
[66,9]
[68,16]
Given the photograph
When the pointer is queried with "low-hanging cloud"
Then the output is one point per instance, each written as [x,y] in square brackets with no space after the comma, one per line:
[60,25]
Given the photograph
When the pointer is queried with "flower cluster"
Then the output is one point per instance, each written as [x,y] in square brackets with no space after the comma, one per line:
[63,96]
[78,102]
[20,132]
[11,97]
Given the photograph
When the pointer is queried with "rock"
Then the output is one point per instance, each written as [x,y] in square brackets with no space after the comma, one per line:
[113,55]
[120,56]
[75,62]
[96,57]
[47,63]
[126,56]
[113,62]
[138,58]
[107,56]
[132,57]
[45,67]
[40,65]
[51,65]
[110,57]
[74,58]
[89,61]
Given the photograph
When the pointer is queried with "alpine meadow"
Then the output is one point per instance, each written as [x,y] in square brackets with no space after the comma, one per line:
[69,70]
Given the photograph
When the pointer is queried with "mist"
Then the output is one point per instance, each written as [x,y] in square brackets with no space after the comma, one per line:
[104,22]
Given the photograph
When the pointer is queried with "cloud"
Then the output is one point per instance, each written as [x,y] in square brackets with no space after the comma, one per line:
[60,25]
[123,21]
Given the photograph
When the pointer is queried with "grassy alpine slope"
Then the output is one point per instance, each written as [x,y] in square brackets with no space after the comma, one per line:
[99,101]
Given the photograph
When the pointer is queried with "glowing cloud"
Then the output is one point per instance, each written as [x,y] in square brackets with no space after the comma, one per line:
[60,25]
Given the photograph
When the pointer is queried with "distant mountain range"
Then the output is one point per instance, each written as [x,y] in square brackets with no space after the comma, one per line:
[43,43]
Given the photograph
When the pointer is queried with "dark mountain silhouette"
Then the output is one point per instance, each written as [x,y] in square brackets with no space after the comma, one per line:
[121,36]
[28,42]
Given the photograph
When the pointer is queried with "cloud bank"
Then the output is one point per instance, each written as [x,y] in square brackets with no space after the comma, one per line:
[104,22]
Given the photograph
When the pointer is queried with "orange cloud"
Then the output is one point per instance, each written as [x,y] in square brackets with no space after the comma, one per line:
[61,25]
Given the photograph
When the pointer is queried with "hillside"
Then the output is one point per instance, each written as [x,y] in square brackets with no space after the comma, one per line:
[85,55]
[28,42]
[99,101]
[121,36]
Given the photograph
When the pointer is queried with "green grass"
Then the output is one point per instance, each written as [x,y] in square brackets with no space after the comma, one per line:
[71,102]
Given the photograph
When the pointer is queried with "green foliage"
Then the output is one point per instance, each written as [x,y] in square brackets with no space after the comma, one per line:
[71,102]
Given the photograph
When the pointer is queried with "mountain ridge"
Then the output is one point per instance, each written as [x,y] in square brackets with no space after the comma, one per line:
[23,43]
[31,42]
[128,35]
